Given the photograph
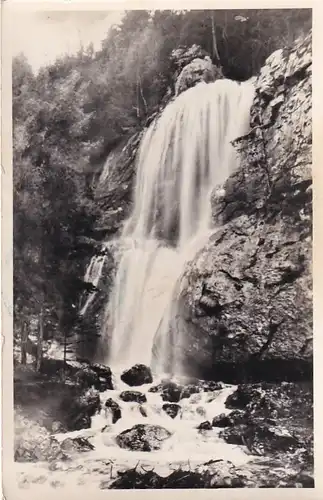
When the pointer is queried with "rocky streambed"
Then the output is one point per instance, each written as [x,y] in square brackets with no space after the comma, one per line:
[133,430]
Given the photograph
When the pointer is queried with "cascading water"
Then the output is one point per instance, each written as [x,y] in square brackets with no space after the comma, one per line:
[182,157]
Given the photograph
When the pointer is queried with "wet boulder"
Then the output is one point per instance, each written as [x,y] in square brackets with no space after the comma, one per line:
[133,397]
[143,437]
[171,409]
[205,426]
[137,375]
[114,408]
[78,444]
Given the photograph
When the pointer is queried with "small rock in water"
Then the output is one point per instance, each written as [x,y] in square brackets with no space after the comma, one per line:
[171,409]
[133,397]
[115,409]
[137,375]
[143,411]
[244,395]
[205,426]
[143,437]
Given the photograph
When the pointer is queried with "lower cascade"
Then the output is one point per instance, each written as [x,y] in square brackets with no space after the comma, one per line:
[183,156]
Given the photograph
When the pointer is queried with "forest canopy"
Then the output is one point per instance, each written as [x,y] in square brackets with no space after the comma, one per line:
[70,115]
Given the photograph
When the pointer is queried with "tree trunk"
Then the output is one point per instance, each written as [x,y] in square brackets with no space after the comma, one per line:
[215,47]
[24,340]
[40,340]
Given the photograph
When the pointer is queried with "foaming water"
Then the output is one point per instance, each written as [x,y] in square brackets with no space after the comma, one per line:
[187,446]
[183,156]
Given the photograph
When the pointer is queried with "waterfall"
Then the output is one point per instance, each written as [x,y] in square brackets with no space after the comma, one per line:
[184,154]
[92,275]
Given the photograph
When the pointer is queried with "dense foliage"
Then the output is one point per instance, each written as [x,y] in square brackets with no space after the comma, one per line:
[73,112]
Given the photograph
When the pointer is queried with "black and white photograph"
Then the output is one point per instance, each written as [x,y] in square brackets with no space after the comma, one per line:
[162,249]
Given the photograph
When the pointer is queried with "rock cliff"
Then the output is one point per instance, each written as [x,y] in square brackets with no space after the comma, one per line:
[245,307]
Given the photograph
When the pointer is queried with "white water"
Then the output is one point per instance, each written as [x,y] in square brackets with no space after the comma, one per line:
[182,157]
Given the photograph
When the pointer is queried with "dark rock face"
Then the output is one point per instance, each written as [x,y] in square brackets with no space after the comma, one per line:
[171,409]
[245,305]
[222,420]
[133,397]
[115,409]
[137,375]
[143,437]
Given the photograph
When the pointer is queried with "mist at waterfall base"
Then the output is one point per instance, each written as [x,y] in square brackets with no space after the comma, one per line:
[183,156]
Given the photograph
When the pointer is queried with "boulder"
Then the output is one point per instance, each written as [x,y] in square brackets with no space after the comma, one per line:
[245,302]
[133,397]
[78,411]
[143,437]
[171,392]
[171,409]
[75,445]
[222,420]
[137,375]
[114,409]
[199,70]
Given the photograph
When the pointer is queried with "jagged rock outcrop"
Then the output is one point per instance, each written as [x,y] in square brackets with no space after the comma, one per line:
[245,307]
[193,65]
[199,70]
